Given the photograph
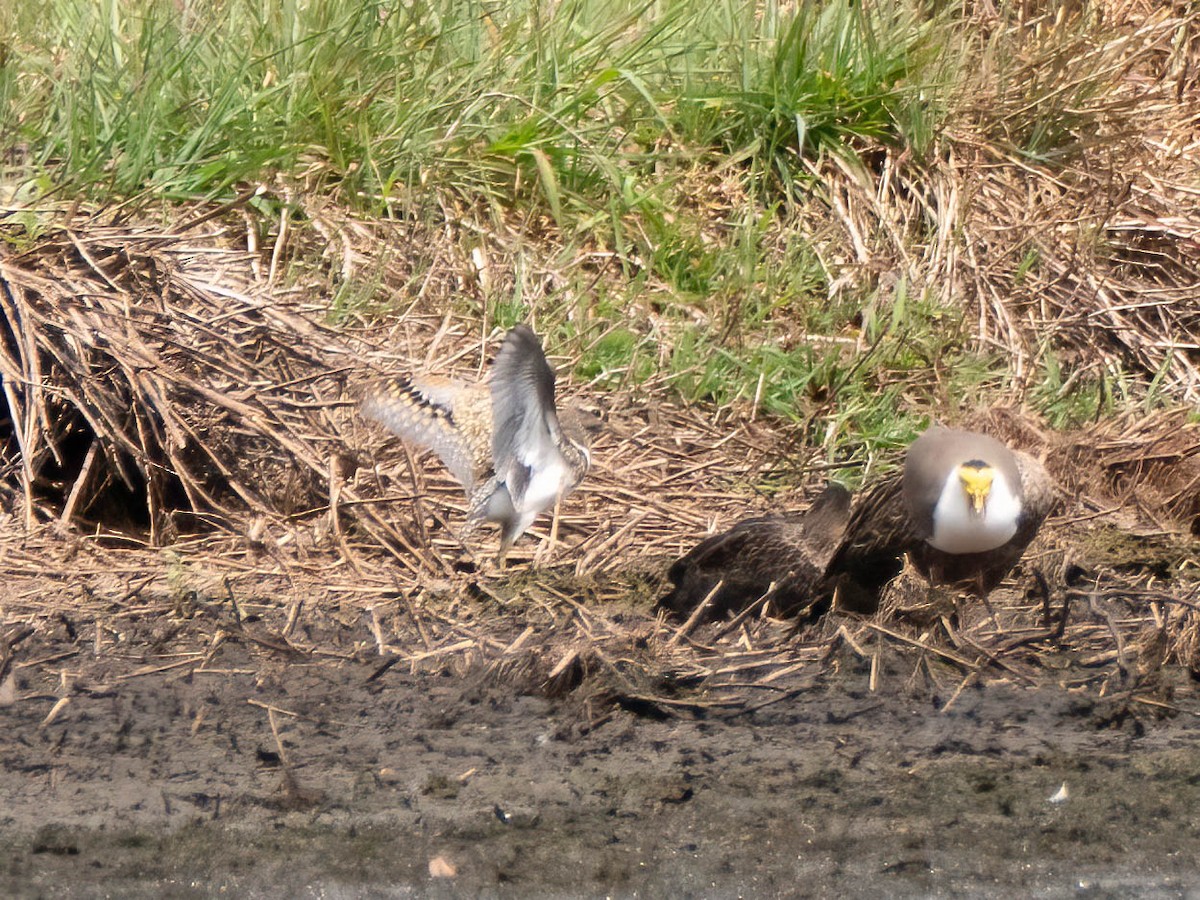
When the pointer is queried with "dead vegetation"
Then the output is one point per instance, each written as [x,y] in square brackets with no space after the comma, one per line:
[185,465]
[1061,209]
[163,396]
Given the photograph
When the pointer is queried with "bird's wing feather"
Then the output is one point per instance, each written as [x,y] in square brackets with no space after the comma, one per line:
[720,550]
[418,416]
[869,555]
[1038,497]
[925,473]
[789,550]
[527,434]
[438,391]
[825,524]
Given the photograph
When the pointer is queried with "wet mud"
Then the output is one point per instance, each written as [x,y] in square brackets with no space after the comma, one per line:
[268,776]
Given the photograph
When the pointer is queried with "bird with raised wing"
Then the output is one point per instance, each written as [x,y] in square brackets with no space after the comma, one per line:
[502,439]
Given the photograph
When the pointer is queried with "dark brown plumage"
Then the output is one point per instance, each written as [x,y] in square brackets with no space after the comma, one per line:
[871,552]
[789,550]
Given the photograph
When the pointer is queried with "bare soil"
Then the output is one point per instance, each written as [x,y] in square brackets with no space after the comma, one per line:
[262,772]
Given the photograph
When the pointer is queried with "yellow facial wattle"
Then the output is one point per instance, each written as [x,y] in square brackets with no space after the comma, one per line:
[977,482]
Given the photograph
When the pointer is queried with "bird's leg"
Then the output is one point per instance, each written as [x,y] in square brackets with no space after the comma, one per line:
[938,583]
[983,595]
[481,509]
[936,580]
[546,548]
[960,609]
[502,553]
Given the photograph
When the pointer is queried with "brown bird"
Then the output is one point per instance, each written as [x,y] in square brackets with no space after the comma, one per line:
[789,551]
[503,439]
[964,509]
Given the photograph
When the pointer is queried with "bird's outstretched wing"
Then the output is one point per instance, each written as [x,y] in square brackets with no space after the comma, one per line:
[527,433]
[423,413]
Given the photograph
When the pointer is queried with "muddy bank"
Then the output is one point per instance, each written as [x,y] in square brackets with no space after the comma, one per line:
[268,777]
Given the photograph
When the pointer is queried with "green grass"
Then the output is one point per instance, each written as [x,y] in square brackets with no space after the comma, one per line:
[680,139]
[1092,393]
[817,77]
[497,102]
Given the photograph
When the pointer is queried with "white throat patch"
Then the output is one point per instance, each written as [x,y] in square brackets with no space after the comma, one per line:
[958,529]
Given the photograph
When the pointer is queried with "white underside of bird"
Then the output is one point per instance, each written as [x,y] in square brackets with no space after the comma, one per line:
[959,528]
[548,479]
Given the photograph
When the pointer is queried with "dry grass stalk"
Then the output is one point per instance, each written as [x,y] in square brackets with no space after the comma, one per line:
[158,389]
[1084,244]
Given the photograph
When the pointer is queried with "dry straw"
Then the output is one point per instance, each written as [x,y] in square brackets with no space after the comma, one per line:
[163,394]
